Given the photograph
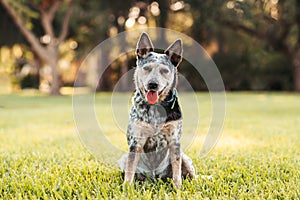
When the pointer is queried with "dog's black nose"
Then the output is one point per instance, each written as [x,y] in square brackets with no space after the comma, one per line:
[152,86]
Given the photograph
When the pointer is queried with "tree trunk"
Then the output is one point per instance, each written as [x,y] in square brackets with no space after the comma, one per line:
[124,76]
[103,60]
[124,63]
[296,68]
[56,81]
[162,22]
[37,66]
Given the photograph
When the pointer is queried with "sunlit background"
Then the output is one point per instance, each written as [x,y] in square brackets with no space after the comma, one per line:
[255,43]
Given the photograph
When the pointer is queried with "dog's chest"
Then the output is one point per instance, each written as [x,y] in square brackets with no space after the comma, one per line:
[156,152]
[156,143]
[154,114]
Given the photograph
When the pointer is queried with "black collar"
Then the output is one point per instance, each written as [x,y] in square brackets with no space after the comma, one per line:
[171,98]
[171,106]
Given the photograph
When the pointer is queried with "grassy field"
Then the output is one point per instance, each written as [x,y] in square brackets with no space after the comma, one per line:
[257,156]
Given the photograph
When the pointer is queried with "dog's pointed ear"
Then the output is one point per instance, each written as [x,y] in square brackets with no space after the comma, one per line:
[144,45]
[174,52]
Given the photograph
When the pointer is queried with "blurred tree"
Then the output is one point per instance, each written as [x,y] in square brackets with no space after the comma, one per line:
[9,34]
[47,46]
[205,16]
[90,24]
[95,22]
[275,22]
[246,64]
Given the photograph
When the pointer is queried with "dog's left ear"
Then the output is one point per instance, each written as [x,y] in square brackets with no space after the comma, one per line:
[174,52]
[144,45]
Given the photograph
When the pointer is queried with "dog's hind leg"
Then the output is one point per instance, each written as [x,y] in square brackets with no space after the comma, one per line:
[187,167]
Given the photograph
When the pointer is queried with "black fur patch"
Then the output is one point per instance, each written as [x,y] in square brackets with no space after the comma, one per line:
[172,107]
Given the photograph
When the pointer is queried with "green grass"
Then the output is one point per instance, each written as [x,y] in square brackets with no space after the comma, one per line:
[257,156]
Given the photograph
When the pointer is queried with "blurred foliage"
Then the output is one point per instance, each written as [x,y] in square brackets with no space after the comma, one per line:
[251,41]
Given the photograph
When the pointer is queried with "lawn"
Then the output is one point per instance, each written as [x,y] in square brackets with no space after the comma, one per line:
[257,156]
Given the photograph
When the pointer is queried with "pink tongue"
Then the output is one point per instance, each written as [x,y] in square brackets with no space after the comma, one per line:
[152,97]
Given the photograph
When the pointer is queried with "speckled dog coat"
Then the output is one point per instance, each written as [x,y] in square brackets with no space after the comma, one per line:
[155,128]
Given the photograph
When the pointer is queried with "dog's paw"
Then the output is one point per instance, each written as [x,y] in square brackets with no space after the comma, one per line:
[177,182]
[128,177]
[126,185]
[206,177]
[127,181]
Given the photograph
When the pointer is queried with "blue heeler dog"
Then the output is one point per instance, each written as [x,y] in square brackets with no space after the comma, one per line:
[155,122]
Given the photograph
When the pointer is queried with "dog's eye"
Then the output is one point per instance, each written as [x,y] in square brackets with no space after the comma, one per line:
[164,71]
[147,68]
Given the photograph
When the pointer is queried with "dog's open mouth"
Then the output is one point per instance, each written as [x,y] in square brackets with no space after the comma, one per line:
[152,96]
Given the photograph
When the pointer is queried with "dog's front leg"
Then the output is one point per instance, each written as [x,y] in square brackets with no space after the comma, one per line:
[135,151]
[175,155]
[137,135]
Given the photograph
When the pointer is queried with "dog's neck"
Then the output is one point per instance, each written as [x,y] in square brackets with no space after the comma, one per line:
[171,98]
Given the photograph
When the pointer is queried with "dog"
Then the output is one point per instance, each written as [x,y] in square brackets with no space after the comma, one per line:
[155,122]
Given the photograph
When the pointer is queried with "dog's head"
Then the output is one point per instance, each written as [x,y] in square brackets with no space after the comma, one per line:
[156,73]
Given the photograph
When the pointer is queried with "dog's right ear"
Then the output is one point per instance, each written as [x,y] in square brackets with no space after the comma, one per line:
[144,45]
[174,52]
